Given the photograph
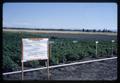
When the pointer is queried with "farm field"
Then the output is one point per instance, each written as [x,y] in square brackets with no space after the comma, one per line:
[59,41]
[66,48]
[103,70]
[59,32]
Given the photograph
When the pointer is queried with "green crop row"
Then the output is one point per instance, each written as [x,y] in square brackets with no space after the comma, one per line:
[62,50]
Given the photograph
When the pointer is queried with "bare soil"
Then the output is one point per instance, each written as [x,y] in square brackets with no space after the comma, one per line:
[102,70]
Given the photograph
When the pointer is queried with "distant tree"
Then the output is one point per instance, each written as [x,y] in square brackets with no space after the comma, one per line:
[103,30]
[87,30]
[83,29]
[99,30]
[90,30]
[94,30]
[109,31]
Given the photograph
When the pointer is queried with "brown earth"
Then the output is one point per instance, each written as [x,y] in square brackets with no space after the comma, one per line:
[102,70]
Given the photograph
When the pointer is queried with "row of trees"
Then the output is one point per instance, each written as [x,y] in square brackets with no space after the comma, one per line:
[82,30]
[94,30]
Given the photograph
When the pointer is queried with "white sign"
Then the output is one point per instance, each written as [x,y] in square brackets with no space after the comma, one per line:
[96,41]
[35,49]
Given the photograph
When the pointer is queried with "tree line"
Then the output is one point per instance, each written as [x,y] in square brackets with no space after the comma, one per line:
[81,30]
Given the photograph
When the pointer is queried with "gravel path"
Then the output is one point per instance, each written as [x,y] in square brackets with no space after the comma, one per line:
[103,70]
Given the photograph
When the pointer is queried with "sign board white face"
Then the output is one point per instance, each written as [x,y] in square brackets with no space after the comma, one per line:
[35,49]
[113,40]
[96,41]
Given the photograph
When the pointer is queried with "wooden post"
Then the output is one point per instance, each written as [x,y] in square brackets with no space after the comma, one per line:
[48,60]
[96,49]
[49,51]
[112,46]
[22,59]
[48,68]
[112,50]
[22,70]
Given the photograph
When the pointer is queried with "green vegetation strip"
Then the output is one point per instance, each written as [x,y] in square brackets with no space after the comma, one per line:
[63,50]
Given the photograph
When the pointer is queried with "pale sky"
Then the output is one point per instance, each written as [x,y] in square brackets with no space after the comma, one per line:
[60,15]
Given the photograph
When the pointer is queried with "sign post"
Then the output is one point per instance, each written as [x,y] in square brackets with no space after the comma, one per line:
[22,63]
[112,46]
[35,49]
[22,71]
[48,68]
[49,55]
[96,47]
[48,59]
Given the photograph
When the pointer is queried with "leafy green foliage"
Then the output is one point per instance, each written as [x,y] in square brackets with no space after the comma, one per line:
[62,50]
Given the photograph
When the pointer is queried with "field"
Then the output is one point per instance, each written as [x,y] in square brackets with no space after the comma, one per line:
[65,49]
[103,70]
